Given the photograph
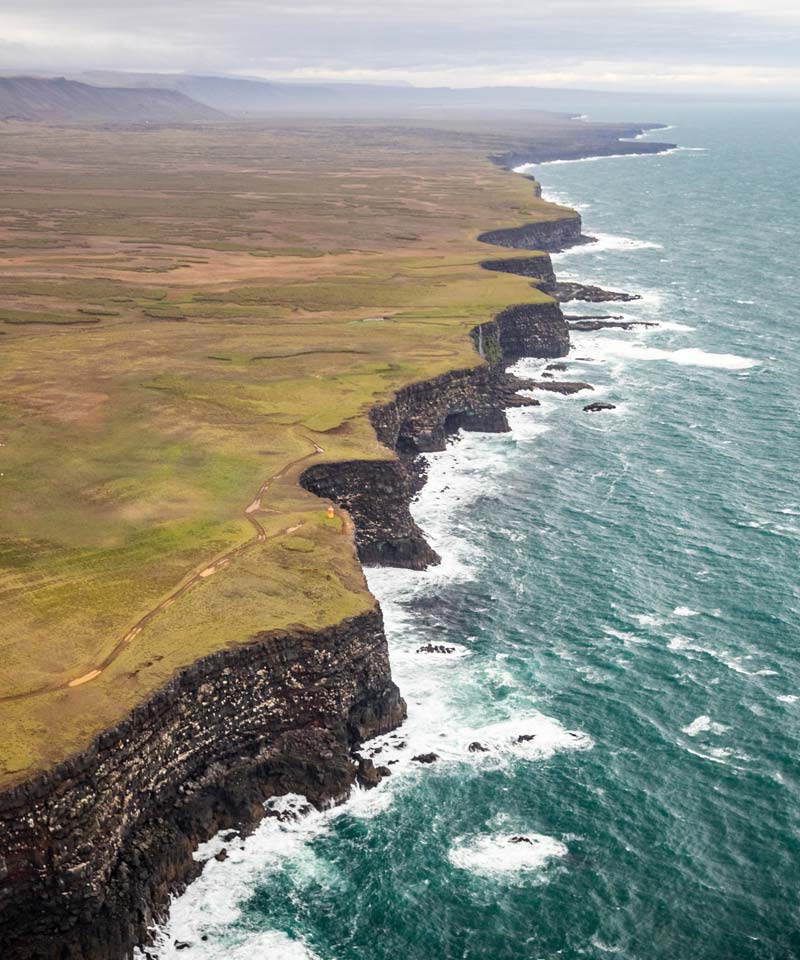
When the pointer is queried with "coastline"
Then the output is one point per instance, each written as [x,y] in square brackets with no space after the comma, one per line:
[525,599]
[419,420]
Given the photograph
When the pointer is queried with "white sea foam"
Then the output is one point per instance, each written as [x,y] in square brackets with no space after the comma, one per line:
[625,637]
[271,943]
[716,756]
[648,620]
[523,425]
[704,724]
[684,612]
[534,736]
[612,348]
[690,648]
[787,698]
[671,325]
[211,905]
[530,168]
[556,196]
[605,242]
[500,855]
[650,132]
[603,947]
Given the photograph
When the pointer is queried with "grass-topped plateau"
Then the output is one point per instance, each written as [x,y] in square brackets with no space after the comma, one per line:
[188,318]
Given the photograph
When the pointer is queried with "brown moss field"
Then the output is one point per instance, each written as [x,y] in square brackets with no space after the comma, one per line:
[188,317]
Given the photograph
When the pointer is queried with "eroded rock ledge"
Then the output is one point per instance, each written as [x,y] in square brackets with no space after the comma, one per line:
[92,849]
[538,268]
[566,292]
[549,235]
[378,493]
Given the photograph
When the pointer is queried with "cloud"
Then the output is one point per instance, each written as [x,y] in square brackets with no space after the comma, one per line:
[633,44]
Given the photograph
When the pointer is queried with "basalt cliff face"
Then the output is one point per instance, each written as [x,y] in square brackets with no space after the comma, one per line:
[551,235]
[378,493]
[538,268]
[91,850]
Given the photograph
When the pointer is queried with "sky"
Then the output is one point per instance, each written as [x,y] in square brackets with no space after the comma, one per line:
[724,46]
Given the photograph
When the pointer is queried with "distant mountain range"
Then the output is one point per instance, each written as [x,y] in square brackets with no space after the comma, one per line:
[58,100]
[111,97]
[242,96]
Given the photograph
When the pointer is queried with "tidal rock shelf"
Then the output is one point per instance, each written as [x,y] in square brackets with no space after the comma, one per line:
[567,292]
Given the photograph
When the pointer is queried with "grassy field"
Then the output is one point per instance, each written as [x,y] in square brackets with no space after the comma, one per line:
[188,318]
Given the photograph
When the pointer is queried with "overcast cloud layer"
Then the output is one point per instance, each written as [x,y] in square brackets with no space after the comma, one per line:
[713,45]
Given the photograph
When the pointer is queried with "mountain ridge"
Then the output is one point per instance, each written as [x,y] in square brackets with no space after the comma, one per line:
[60,100]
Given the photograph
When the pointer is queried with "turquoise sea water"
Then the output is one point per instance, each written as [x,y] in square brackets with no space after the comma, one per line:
[623,588]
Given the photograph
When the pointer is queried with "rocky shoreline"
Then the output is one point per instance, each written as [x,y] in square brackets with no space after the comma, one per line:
[378,494]
[94,848]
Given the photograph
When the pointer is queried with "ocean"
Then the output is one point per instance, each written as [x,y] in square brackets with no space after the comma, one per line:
[619,594]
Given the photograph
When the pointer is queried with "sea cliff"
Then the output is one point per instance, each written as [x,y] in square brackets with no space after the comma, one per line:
[377,494]
[93,849]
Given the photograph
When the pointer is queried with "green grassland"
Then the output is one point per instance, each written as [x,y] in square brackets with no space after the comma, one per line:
[182,321]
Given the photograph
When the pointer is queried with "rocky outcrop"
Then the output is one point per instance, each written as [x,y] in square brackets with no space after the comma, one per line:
[585,325]
[566,387]
[525,330]
[377,493]
[92,849]
[598,406]
[538,268]
[548,235]
[566,292]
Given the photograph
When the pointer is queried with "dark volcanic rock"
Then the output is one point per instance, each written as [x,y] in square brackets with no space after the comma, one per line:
[540,268]
[377,493]
[368,775]
[605,324]
[556,366]
[524,330]
[596,407]
[526,737]
[116,825]
[518,401]
[477,747]
[285,813]
[426,757]
[519,839]
[594,143]
[435,648]
[568,291]
[548,235]
[562,386]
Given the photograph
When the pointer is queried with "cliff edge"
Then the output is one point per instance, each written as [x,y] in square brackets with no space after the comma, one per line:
[94,847]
